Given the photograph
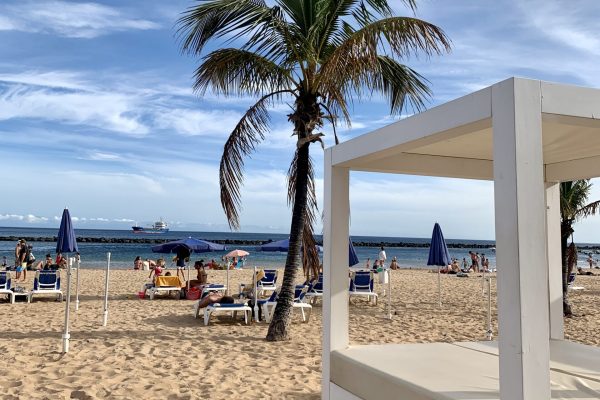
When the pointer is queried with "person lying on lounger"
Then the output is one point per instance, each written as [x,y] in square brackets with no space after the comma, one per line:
[213,298]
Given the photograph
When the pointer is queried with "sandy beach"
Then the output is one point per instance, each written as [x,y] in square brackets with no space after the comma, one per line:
[156,349]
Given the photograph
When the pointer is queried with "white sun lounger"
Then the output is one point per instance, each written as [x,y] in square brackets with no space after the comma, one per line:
[167,287]
[361,284]
[299,295]
[46,282]
[228,308]
[5,282]
[205,291]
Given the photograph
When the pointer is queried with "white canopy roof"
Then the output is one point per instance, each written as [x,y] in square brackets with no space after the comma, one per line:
[455,139]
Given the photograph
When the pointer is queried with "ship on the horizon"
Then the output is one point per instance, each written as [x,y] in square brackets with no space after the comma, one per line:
[158,227]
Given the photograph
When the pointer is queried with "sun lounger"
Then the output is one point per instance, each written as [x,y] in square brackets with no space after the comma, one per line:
[5,288]
[205,291]
[361,284]
[46,282]
[164,284]
[268,282]
[299,303]
[315,290]
[228,308]
[571,282]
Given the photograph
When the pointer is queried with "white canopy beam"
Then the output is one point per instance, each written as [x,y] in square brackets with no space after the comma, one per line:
[458,117]
[583,168]
[554,261]
[521,241]
[335,265]
[428,165]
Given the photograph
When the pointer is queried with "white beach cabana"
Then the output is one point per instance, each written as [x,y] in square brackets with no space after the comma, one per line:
[526,136]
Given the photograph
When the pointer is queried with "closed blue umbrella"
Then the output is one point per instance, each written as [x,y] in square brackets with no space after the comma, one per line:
[438,255]
[194,246]
[352,257]
[66,243]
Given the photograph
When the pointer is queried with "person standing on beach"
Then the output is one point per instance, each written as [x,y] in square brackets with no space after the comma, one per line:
[590,261]
[382,257]
[368,264]
[465,265]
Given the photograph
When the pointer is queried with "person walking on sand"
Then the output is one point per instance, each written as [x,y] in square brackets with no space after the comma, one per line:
[382,257]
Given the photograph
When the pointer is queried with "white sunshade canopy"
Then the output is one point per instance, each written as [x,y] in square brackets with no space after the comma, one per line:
[526,136]
[455,139]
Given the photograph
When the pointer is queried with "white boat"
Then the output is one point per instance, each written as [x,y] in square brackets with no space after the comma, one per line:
[158,227]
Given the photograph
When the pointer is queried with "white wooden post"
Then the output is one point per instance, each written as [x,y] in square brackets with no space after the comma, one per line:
[554,261]
[521,240]
[335,265]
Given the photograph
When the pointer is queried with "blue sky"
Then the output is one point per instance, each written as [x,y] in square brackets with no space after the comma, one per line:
[97,114]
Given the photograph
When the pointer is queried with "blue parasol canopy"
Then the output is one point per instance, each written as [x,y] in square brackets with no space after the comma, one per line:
[66,241]
[352,257]
[192,244]
[284,245]
[438,252]
[280,245]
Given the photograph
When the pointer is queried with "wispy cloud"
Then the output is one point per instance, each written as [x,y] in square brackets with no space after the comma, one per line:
[112,111]
[69,19]
[197,122]
[28,218]
[569,26]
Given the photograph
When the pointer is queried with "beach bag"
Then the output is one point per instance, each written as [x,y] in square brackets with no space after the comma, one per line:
[193,293]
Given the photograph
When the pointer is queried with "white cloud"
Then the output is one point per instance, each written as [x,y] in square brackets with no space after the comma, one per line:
[569,26]
[69,19]
[198,122]
[29,218]
[102,156]
[112,111]
[52,79]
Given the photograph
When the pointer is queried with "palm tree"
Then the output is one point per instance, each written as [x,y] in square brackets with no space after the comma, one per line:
[318,55]
[573,198]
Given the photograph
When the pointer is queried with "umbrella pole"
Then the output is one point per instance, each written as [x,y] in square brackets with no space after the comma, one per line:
[255,296]
[188,280]
[227,291]
[483,282]
[105,315]
[439,288]
[489,310]
[66,336]
[77,285]
[389,272]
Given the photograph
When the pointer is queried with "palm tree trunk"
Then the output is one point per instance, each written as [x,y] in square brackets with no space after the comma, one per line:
[282,317]
[565,232]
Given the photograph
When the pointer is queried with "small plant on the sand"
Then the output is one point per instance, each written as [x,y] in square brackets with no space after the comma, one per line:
[573,198]
[318,56]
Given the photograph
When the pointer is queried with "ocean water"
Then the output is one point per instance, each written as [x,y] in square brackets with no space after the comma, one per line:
[93,255]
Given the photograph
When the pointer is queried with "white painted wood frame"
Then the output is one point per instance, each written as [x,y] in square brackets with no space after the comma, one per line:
[519,197]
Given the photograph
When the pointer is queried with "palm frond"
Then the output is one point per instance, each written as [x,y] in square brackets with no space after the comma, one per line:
[399,82]
[401,36]
[587,210]
[218,18]
[242,141]
[573,198]
[234,71]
